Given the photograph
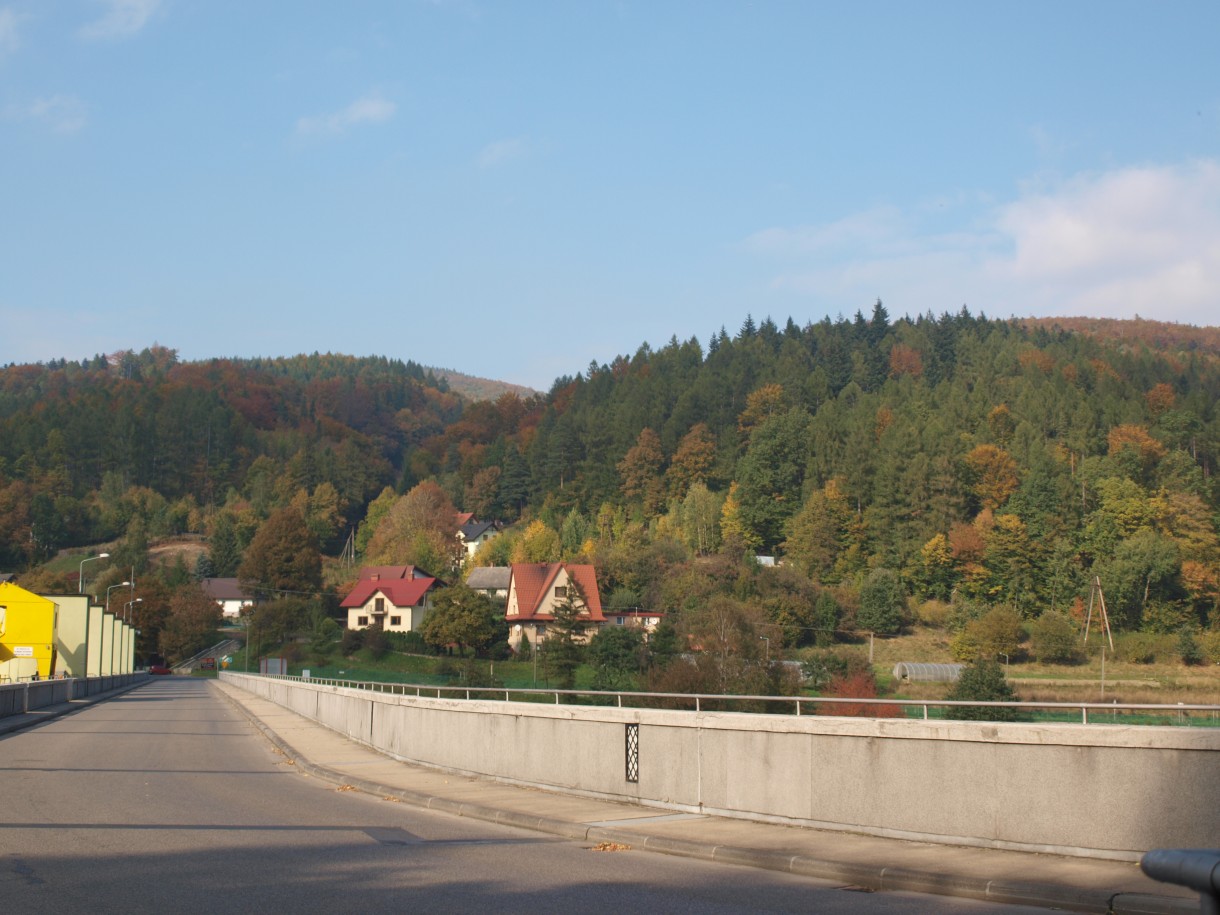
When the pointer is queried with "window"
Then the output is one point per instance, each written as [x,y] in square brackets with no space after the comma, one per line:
[379,605]
[619,620]
[395,620]
[561,591]
[362,621]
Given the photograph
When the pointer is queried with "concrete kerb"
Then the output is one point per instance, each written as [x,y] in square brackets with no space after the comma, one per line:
[878,879]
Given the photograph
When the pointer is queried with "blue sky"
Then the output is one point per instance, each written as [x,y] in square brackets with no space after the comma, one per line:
[515,189]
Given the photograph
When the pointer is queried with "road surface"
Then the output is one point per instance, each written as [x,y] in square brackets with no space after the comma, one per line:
[166,799]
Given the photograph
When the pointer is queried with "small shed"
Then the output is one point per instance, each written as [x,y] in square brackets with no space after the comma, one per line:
[927,673]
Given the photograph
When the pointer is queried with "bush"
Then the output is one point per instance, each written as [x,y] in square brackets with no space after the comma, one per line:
[1139,647]
[1055,639]
[821,666]
[1209,644]
[934,614]
[997,632]
[982,681]
[860,684]
[351,641]
[407,642]
[376,643]
[962,612]
[1188,648]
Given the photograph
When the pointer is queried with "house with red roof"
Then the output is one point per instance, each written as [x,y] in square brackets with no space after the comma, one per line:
[534,590]
[397,597]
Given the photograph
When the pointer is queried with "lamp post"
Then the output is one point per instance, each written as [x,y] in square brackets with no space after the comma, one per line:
[127,608]
[767,639]
[80,580]
[122,584]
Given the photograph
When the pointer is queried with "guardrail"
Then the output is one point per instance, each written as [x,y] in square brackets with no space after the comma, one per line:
[1179,713]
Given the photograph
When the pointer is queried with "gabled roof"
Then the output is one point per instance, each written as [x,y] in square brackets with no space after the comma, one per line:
[489,578]
[473,530]
[385,573]
[464,518]
[224,589]
[400,592]
[533,582]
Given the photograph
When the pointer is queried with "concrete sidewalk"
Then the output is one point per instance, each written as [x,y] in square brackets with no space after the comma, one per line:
[1078,884]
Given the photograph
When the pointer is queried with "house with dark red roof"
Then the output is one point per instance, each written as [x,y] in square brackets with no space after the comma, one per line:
[397,597]
[228,593]
[534,590]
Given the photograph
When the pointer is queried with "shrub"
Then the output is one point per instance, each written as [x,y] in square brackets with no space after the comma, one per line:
[1139,647]
[376,643]
[997,632]
[351,641]
[822,666]
[982,681]
[1209,643]
[860,684]
[1055,639]
[407,642]
[964,611]
[1188,648]
[934,613]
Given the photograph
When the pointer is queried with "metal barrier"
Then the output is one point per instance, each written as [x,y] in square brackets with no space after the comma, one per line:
[1101,712]
[1195,868]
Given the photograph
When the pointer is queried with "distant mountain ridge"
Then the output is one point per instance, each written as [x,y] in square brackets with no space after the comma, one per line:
[474,388]
[1159,335]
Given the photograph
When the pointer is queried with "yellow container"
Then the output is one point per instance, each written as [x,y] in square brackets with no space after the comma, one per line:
[27,635]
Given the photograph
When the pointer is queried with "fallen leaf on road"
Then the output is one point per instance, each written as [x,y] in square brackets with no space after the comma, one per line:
[610,846]
[346,788]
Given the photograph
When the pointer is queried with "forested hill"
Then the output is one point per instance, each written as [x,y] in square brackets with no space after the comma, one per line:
[970,456]
[1002,461]
[88,449]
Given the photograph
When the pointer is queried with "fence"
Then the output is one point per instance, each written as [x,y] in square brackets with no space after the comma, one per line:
[1065,788]
[927,709]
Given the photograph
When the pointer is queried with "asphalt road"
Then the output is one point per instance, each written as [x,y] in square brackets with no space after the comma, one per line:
[166,799]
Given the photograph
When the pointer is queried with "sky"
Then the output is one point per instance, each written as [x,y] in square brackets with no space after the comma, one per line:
[517,189]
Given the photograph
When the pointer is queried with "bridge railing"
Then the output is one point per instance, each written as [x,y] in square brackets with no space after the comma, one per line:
[1192,714]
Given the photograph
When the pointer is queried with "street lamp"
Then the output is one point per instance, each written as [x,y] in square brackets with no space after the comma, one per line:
[122,584]
[767,639]
[127,608]
[80,580]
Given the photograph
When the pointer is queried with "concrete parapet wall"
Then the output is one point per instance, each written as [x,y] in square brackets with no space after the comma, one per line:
[1094,790]
[18,698]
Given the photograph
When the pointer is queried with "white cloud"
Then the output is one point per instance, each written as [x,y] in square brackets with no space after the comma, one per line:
[120,19]
[372,109]
[1130,241]
[501,151]
[9,39]
[62,113]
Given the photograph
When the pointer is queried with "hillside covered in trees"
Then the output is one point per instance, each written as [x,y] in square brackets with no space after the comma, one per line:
[977,462]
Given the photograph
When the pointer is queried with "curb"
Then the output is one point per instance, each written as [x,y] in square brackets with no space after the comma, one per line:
[877,879]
